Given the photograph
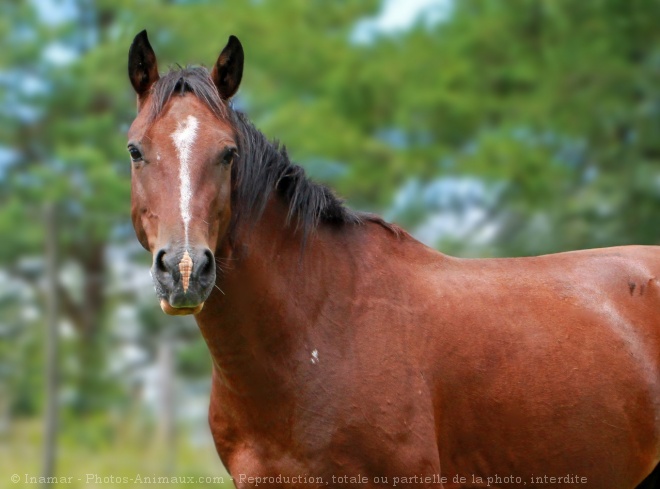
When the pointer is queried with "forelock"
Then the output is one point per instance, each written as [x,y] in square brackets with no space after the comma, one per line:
[179,81]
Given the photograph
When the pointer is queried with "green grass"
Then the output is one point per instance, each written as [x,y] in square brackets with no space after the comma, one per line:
[88,462]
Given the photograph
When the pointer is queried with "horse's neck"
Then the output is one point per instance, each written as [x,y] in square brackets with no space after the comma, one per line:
[273,295]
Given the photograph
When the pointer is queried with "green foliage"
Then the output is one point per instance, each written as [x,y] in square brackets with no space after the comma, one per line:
[556,99]
[194,359]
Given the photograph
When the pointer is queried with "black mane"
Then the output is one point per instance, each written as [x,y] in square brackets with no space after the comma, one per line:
[261,166]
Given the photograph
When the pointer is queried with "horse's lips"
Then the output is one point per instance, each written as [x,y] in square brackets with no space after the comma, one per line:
[179,311]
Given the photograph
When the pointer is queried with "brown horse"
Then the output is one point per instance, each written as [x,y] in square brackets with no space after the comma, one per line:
[347,354]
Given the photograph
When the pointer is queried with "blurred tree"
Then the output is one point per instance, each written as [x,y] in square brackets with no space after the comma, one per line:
[559,101]
[67,150]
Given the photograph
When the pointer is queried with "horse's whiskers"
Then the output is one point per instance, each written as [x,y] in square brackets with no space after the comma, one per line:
[223,266]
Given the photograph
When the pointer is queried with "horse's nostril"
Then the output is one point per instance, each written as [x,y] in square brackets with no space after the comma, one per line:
[208,266]
[160,261]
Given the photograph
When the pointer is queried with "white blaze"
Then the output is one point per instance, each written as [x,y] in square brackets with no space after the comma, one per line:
[184,138]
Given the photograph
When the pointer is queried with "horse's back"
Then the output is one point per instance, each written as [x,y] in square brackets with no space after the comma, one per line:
[543,364]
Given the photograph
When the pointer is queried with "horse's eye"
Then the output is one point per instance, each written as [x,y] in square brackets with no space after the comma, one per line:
[135,153]
[227,156]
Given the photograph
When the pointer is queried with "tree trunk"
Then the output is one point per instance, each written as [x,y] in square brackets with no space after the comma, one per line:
[166,412]
[52,323]
[91,354]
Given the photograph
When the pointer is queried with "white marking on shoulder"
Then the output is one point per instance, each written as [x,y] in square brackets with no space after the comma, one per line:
[184,139]
[315,357]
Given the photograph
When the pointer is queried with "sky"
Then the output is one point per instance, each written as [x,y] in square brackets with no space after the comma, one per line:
[399,15]
[53,12]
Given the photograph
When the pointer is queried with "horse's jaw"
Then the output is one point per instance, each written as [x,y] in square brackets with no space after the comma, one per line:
[179,311]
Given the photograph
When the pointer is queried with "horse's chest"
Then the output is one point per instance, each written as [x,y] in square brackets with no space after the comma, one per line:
[307,444]
[264,451]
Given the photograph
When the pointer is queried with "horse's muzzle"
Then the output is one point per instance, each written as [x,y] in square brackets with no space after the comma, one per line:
[183,278]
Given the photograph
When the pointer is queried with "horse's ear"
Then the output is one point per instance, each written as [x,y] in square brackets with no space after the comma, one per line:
[228,70]
[142,66]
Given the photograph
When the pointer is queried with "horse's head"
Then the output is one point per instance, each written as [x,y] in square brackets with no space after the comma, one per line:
[182,145]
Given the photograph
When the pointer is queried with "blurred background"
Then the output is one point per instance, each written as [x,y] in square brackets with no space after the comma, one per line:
[485,127]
